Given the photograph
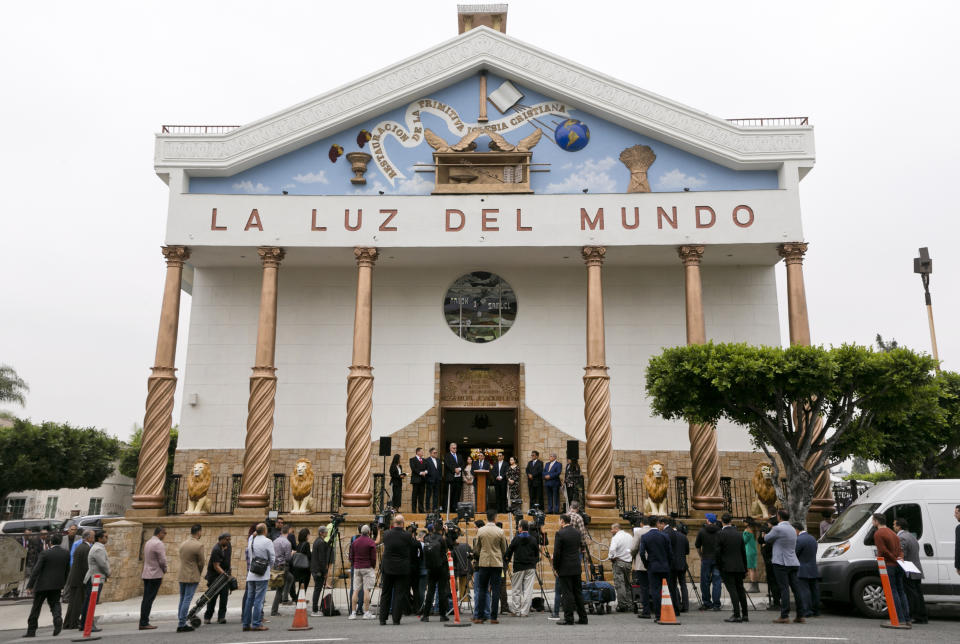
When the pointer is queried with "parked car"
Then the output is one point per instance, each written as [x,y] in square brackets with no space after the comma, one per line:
[848,559]
[17,526]
[88,521]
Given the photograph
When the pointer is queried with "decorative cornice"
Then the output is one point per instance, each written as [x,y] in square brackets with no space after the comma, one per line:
[485,49]
[690,255]
[271,256]
[366,257]
[593,255]
[792,252]
[175,255]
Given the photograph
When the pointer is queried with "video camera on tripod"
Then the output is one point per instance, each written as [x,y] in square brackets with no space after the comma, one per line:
[537,514]
[383,519]
[680,525]
[337,518]
[634,516]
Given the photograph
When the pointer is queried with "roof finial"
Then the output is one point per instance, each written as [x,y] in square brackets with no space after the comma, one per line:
[488,15]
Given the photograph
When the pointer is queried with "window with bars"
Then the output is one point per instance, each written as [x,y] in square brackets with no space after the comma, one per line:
[95,506]
[16,507]
[51,510]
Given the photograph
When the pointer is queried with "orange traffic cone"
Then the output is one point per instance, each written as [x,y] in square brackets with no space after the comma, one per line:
[667,615]
[888,595]
[300,616]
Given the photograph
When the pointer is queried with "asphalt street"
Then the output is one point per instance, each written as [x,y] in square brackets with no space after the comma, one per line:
[624,627]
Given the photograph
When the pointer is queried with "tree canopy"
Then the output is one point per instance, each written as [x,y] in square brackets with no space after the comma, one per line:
[781,394]
[12,386]
[51,456]
[130,455]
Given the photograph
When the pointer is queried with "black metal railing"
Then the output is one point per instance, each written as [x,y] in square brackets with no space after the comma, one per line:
[224,493]
[336,491]
[279,502]
[620,489]
[379,493]
[680,497]
[175,505]
[677,496]
[236,484]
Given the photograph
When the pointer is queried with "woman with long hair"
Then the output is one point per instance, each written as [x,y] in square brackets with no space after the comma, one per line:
[469,493]
[396,481]
[301,576]
[513,482]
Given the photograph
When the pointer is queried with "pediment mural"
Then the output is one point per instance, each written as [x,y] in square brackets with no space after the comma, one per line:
[441,144]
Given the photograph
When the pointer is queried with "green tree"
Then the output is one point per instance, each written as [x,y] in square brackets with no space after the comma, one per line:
[778,393]
[50,456]
[12,386]
[130,454]
[932,423]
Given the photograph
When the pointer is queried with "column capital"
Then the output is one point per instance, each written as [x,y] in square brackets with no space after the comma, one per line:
[593,255]
[792,252]
[175,255]
[366,256]
[690,255]
[271,256]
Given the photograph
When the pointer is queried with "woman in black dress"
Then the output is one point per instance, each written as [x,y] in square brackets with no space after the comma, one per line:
[513,482]
[571,480]
[301,576]
[396,481]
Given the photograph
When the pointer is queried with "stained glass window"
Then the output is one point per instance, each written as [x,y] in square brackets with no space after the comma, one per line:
[480,307]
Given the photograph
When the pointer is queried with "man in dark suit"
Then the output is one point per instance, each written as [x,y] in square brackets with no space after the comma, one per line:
[566,563]
[732,560]
[399,548]
[498,474]
[433,480]
[75,581]
[453,475]
[535,479]
[418,479]
[551,482]
[47,580]
[678,562]
[656,553]
[808,575]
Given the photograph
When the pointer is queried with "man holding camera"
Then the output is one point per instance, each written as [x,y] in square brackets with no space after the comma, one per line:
[524,551]
[435,558]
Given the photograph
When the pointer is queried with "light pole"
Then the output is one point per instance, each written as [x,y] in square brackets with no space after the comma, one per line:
[924,266]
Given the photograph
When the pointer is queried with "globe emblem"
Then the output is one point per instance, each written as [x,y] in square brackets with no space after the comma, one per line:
[572,135]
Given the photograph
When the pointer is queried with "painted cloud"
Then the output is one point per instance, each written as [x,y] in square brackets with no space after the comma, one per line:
[676,180]
[590,174]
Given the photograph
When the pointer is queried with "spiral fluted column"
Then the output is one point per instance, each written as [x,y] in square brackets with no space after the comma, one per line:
[254,493]
[792,254]
[596,390]
[152,469]
[704,457]
[356,475]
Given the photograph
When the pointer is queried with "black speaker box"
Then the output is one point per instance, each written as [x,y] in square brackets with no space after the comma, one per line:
[385,445]
[573,449]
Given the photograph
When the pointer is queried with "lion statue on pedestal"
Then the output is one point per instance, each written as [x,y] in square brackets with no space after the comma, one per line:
[655,483]
[765,500]
[198,484]
[301,485]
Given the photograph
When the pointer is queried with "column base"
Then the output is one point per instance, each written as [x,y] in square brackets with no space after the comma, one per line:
[707,502]
[601,501]
[253,501]
[357,499]
[145,513]
[822,505]
[148,502]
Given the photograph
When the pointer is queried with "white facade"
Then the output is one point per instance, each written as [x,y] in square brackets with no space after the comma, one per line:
[112,497]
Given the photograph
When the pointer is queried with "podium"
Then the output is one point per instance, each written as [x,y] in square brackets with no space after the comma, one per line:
[480,478]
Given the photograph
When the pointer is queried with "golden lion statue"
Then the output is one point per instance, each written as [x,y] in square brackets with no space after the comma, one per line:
[655,483]
[198,484]
[766,494]
[301,485]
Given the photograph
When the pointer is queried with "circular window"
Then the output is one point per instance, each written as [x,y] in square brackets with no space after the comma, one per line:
[480,307]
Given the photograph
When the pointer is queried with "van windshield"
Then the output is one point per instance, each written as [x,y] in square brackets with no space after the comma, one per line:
[849,522]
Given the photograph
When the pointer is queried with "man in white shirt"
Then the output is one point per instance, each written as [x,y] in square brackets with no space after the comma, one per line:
[620,542]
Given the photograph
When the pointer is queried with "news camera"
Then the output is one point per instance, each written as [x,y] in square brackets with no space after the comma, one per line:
[634,516]
[537,514]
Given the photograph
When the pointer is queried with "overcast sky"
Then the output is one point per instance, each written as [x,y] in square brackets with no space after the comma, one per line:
[86,85]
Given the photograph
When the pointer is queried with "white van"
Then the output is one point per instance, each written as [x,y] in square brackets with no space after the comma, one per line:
[847,560]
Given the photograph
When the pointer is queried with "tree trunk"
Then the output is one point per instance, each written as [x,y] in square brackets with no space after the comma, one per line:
[799,489]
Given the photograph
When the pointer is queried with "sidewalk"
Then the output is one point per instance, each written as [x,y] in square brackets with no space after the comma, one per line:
[13,616]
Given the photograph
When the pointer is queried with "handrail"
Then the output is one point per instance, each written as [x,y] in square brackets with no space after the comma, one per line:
[197,129]
[782,121]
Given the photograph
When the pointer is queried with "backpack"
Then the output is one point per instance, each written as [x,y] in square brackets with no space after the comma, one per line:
[434,552]
[462,566]
[327,609]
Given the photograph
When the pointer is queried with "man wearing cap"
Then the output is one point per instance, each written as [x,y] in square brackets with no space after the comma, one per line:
[320,559]
[706,545]
[219,564]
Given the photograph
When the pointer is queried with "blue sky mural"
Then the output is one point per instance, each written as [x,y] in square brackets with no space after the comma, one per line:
[398,145]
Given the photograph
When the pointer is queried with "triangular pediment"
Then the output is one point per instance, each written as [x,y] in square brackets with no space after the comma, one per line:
[542,75]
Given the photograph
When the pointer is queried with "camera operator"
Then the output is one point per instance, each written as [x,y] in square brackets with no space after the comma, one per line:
[766,551]
[524,551]
[640,576]
[435,550]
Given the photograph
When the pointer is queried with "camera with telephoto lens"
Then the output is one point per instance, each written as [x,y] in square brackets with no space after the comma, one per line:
[680,525]
[383,519]
[537,514]
[634,516]
[337,518]
[432,517]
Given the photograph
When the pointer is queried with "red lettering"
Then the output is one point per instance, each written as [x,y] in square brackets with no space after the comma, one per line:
[662,214]
[736,219]
[384,227]
[313,222]
[713,216]
[346,219]
[487,221]
[253,221]
[636,218]
[520,226]
[459,213]
[213,222]
[586,221]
